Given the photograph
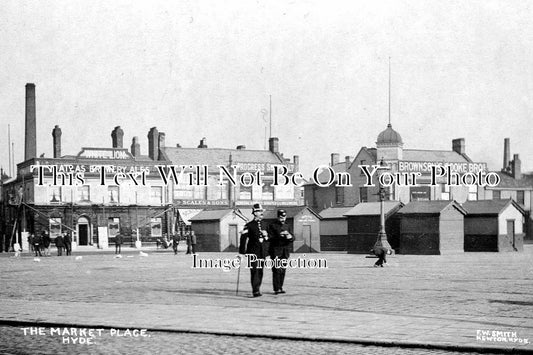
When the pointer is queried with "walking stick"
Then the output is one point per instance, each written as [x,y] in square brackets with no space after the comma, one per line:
[238,213]
[238,278]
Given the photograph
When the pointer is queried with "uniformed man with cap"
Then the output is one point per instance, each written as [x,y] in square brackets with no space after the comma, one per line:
[252,238]
[280,242]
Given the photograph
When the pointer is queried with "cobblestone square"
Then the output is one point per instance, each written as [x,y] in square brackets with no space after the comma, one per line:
[415,303]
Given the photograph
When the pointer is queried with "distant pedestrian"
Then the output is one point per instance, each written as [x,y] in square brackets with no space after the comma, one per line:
[60,244]
[118,243]
[193,242]
[175,242]
[67,239]
[279,249]
[188,239]
[381,253]
[46,243]
[30,242]
[37,244]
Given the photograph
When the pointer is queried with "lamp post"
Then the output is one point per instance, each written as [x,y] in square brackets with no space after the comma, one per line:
[382,235]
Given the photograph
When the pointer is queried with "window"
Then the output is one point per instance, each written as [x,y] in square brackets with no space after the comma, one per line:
[84,193]
[286,192]
[156,194]
[445,192]
[472,193]
[54,194]
[420,193]
[363,194]
[217,192]
[113,194]
[268,191]
[113,226]
[363,162]
[182,190]
[245,192]
[155,227]
[339,195]
[199,192]
[520,197]
[496,194]
[55,227]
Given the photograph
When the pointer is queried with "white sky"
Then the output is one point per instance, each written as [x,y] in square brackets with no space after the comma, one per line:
[206,69]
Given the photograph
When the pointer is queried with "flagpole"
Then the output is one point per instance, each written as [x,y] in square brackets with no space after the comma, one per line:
[270,116]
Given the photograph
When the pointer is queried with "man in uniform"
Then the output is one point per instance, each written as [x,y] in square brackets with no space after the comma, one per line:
[251,243]
[280,242]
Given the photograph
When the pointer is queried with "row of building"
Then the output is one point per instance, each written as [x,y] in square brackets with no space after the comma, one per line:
[101,191]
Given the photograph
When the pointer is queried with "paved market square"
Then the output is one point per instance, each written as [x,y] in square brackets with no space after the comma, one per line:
[449,302]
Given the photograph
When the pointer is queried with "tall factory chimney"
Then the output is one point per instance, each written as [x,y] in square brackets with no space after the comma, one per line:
[30,147]
[56,135]
[506,153]
[153,143]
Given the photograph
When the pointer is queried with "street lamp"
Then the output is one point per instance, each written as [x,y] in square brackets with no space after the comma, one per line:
[382,235]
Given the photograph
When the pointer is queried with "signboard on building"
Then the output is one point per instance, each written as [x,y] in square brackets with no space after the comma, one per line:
[425,166]
[105,153]
[263,167]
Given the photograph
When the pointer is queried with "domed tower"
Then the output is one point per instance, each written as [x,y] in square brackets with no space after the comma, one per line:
[389,145]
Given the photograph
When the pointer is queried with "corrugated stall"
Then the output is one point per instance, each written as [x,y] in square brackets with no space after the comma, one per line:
[334,229]
[364,225]
[217,230]
[494,225]
[431,227]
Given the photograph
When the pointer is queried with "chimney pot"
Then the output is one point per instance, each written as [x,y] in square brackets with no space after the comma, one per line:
[203,143]
[296,160]
[334,158]
[273,145]
[458,146]
[135,147]
[517,167]
[117,137]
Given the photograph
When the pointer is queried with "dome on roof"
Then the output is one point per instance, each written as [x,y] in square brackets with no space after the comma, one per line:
[389,137]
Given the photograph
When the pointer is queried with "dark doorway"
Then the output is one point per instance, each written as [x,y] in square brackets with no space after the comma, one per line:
[83,234]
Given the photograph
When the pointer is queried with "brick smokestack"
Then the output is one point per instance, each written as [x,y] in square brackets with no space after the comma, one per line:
[30,146]
[153,142]
[458,146]
[56,135]
[117,137]
[135,147]
[334,159]
[517,167]
[273,145]
[506,153]
[161,144]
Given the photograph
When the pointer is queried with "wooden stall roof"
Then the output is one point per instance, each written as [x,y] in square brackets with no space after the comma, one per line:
[489,207]
[211,215]
[335,212]
[430,207]
[374,209]
[291,212]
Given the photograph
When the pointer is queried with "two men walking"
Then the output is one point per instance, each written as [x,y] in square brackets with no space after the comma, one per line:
[259,242]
